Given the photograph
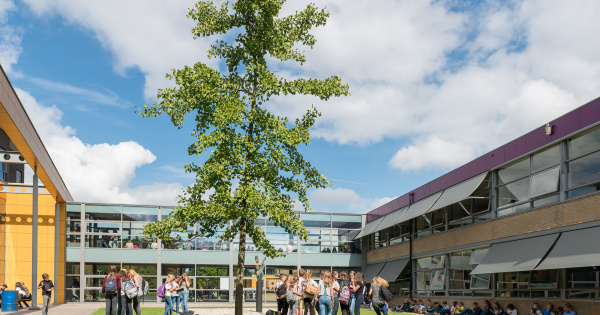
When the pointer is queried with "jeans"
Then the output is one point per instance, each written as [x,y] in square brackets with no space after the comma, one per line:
[46,305]
[345,308]
[184,296]
[358,303]
[124,305]
[336,306]
[466,312]
[325,305]
[381,309]
[308,306]
[352,303]
[136,305]
[111,304]
[292,307]
[168,305]
[175,303]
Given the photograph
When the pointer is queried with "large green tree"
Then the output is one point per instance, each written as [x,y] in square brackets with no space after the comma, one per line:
[253,168]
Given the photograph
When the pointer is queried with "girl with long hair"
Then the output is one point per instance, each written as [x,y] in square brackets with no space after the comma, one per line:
[291,296]
[168,293]
[110,287]
[359,292]
[326,294]
[125,301]
[352,276]
[309,299]
[184,284]
[175,293]
[379,304]
[137,279]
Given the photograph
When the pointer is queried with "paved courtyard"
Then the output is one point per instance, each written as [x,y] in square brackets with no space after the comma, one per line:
[90,308]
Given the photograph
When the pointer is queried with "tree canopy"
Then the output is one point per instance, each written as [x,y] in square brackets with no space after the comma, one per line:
[253,168]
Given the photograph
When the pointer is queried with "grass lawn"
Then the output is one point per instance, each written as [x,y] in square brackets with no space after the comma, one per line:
[160,311]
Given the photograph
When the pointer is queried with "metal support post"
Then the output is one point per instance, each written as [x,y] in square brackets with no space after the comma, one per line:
[56,241]
[34,243]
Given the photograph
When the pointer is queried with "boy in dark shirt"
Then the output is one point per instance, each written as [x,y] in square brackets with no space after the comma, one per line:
[47,286]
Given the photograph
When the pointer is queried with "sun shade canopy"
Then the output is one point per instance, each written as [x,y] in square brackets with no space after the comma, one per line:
[371,271]
[392,269]
[521,255]
[458,192]
[370,227]
[579,248]
[420,207]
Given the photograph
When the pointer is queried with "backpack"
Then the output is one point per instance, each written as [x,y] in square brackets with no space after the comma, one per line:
[110,285]
[161,291]
[130,289]
[385,293]
[143,288]
[187,313]
[310,288]
[344,297]
[270,312]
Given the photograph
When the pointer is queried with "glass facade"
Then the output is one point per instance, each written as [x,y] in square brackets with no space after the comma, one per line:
[99,236]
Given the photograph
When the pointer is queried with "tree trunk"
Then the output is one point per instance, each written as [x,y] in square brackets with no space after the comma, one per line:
[239,287]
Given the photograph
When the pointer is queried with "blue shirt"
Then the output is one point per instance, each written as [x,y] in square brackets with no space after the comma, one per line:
[572,312]
[547,312]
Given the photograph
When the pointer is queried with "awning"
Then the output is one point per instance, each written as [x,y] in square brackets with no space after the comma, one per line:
[370,227]
[458,192]
[371,271]
[521,255]
[392,269]
[477,256]
[391,219]
[579,248]
[419,208]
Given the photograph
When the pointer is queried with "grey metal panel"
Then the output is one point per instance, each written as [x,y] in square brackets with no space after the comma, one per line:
[458,192]
[521,255]
[579,248]
[370,227]
[140,256]
[420,207]
[392,269]
[346,260]
[372,270]
[107,255]
[73,254]
[391,219]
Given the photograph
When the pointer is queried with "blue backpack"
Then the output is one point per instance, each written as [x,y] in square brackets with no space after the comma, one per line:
[110,285]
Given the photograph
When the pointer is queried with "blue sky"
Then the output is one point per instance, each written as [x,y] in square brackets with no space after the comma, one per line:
[433,85]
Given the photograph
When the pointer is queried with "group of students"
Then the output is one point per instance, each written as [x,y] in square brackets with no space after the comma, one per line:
[458,308]
[23,293]
[301,295]
[175,290]
[122,291]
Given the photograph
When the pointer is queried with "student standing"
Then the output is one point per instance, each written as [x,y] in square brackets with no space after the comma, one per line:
[175,293]
[185,292]
[378,302]
[47,286]
[291,294]
[110,287]
[125,301]
[359,292]
[352,276]
[336,292]
[309,299]
[168,292]
[299,290]
[281,291]
[137,280]
[326,294]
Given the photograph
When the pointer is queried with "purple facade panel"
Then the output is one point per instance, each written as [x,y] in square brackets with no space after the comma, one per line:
[590,113]
[494,158]
[476,166]
[563,126]
[515,148]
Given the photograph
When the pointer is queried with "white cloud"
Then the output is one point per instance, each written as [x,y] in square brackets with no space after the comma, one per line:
[105,97]
[459,80]
[433,151]
[343,200]
[150,35]
[10,38]
[96,172]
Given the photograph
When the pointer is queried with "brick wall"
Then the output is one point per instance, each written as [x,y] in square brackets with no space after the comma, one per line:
[570,212]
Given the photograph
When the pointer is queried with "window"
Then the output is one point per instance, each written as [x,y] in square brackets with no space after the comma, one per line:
[532,181]
[583,283]
[528,284]
[583,166]
[19,176]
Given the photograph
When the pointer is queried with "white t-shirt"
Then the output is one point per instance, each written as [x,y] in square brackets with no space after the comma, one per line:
[336,285]
[175,292]
[513,312]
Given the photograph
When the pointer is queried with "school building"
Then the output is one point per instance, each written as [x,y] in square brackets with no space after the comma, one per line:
[518,224]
